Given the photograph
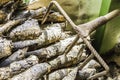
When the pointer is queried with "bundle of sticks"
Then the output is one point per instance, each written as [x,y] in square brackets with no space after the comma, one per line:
[31,50]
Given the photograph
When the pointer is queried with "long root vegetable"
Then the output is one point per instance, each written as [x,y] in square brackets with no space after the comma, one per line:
[23,44]
[59,74]
[71,75]
[83,74]
[21,14]
[56,17]
[92,64]
[48,36]
[34,72]
[52,34]
[31,13]
[38,70]
[86,73]
[53,17]
[39,13]
[5,47]
[4,73]
[17,67]
[88,70]
[54,50]
[18,55]
[10,24]
[73,57]
[28,30]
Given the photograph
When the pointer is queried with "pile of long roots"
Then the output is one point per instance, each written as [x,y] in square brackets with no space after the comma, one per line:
[31,51]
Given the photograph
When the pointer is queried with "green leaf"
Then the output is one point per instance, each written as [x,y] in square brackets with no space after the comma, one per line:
[26,1]
[108,35]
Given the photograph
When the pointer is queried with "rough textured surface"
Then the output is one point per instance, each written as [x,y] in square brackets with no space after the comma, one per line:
[19,66]
[33,73]
[30,29]
[48,36]
[5,47]
[59,74]
[18,55]
[54,50]
[72,75]
[5,73]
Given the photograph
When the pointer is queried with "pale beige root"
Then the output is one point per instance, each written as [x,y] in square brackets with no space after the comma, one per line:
[72,75]
[88,70]
[23,44]
[5,73]
[31,13]
[73,57]
[21,14]
[54,50]
[59,74]
[19,66]
[37,71]
[5,47]
[10,24]
[53,16]
[56,17]
[63,26]
[52,34]
[86,73]
[33,73]
[92,64]
[28,30]
[18,55]
[39,13]
[48,36]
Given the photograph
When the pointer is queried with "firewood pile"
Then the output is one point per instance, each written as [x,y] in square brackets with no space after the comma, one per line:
[30,50]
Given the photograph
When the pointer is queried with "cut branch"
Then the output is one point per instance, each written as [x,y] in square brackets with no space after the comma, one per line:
[10,24]
[18,55]
[17,67]
[50,35]
[54,50]
[27,31]
[5,47]
[59,74]
[39,70]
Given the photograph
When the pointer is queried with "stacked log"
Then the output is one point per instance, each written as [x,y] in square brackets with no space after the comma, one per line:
[30,50]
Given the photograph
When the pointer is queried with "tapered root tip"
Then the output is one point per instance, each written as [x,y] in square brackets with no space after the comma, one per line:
[112,14]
